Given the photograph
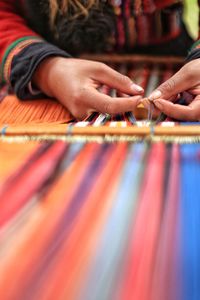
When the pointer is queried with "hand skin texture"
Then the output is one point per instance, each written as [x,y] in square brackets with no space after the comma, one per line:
[187,82]
[75,83]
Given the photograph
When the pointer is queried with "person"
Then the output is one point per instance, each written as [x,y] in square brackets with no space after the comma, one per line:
[41,43]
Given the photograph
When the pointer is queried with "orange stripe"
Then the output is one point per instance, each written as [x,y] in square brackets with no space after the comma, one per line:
[15,51]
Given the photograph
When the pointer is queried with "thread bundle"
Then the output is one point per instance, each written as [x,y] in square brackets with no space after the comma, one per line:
[16,112]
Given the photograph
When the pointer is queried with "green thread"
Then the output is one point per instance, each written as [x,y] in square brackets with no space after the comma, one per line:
[9,49]
[197,43]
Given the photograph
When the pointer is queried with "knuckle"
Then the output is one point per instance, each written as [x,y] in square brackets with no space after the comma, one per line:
[168,86]
[125,80]
[78,96]
[109,108]
[101,67]
[78,114]
[190,67]
[78,104]
[190,72]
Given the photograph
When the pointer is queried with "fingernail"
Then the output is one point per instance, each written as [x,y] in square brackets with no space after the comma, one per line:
[158,104]
[155,95]
[137,88]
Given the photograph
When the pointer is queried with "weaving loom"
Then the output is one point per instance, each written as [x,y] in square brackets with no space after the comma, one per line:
[47,119]
[68,234]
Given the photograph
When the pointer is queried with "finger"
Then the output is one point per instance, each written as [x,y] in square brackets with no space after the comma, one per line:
[173,98]
[120,94]
[194,90]
[179,112]
[195,106]
[179,82]
[116,80]
[106,104]
[80,114]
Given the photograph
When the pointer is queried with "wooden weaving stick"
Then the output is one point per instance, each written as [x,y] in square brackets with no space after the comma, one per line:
[64,129]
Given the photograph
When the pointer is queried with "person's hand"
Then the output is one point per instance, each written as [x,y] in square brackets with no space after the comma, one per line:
[186,80]
[75,83]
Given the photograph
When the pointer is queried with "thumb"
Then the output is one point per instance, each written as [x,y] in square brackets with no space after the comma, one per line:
[173,86]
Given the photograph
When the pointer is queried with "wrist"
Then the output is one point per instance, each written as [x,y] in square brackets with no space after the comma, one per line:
[44,75]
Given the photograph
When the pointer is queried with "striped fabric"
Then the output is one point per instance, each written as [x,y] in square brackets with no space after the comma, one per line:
[93,221]
[142,23]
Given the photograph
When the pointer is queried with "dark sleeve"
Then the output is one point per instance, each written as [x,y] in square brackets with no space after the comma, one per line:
[25,63]
[194,54]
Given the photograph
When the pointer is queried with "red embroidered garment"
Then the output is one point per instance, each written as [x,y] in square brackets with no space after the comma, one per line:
[12,25]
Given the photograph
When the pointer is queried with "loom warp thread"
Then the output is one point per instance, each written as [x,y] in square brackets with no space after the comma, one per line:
[128,233]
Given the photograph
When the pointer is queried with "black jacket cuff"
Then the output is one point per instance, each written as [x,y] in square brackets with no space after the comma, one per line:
[25,63]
